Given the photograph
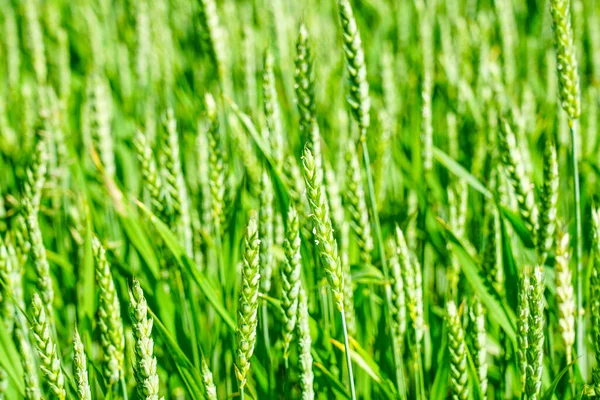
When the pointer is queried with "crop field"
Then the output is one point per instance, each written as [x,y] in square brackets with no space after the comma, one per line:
[299,199]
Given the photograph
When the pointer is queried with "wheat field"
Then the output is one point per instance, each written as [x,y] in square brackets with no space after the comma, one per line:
[313,199]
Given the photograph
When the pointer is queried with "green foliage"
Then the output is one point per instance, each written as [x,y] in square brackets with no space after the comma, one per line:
[315,199]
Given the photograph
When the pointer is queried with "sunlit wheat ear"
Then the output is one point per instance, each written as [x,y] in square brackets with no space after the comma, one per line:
[49,362]
[564,295]
[479,340]
[566,60]
[290,278]
[217,164]
[535,334]
[145,364]
[548,203]
[356,205]
[358,86]
[459,377]
[322,227]
[80,369]
[271,109]
[112,339]
[153,182]
[207,379]
[515,169]
[304,346]
[248,302]
[595,297]
[266,232]
[304,83]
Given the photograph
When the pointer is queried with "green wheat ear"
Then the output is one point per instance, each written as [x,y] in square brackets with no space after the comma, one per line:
[304,345]
[535,334]
[80,369]
[46,346]
[566,60]
[145,365]
[323,229]
[358,86]
[459,377]
[290,278]
[548,202]
[304,83]
[515,169]
[109,313]
[248,302]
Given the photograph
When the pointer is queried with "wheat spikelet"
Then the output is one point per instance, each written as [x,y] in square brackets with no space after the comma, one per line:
[50,363]
[271,109]
[80,369]
[323,229]
[548,202]
[349,311]
[290,278]
[248,302]
[566,60]
[358,86]
[458,354]
[535,334]
[217,164]
[145,365]
[38,257]
[30,377]
[212,35]
[564,295]
[411,276]
[398,297]
[266,232]
[99,104]
[523,327]
[152,180]
[109,314]
[479,340]
[304,345]
[207,379]
[514,166]
[304,83]
[357,205]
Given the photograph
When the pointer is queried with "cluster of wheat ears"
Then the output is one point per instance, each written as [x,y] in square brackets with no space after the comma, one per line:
[211,199]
